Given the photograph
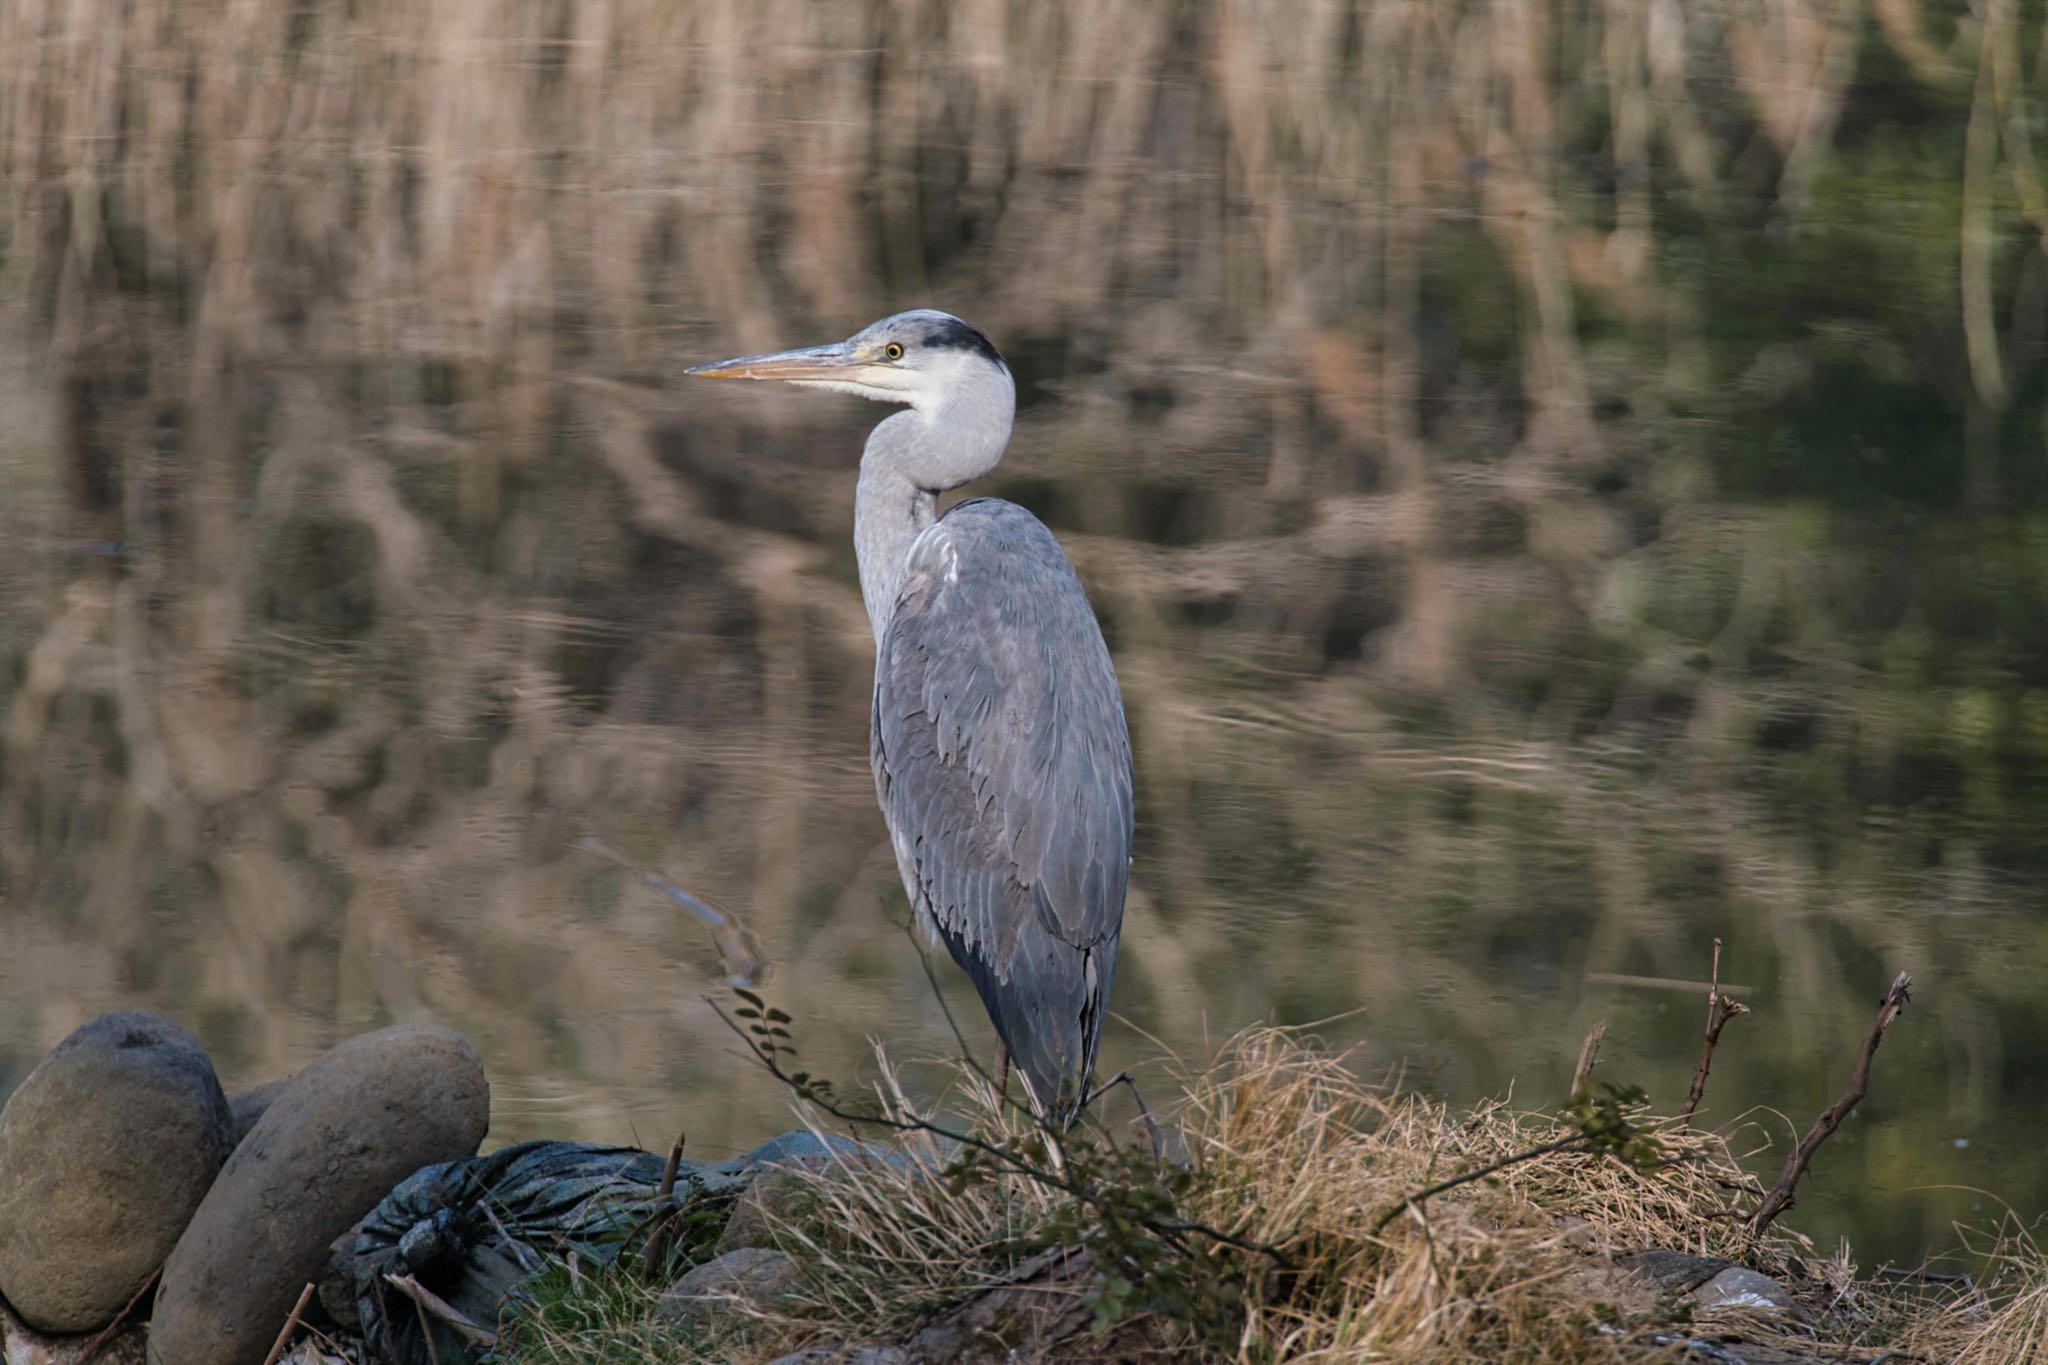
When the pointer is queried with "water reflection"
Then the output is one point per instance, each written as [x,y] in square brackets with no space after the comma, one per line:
[1561,484]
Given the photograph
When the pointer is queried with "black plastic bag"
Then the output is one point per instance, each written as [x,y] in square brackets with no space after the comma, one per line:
[472,1233]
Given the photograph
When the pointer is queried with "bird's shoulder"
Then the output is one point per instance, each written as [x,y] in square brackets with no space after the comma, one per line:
[988,538]
[988,582]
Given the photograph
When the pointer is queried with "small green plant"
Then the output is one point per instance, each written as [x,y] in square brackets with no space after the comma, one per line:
[579,1312]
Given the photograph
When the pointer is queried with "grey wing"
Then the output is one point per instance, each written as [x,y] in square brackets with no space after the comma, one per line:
[1004,770]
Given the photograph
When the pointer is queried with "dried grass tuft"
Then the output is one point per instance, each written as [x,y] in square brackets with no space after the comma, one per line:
[2003,1322]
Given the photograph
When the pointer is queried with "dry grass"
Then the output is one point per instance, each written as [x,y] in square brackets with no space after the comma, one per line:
[2004,1321]
[1288,1148]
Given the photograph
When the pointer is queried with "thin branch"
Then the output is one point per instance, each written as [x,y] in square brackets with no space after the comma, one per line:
[427,1301]
[1713,983]
[1144,1112]
[1430,1192]
[654,1259]
[105,1334]
[1720,1009]
[419,1311]
[1783,1194]
[283,1333]
[1589,1053]
[1174,1230]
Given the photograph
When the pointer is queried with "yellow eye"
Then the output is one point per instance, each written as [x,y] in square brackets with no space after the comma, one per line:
[894,350]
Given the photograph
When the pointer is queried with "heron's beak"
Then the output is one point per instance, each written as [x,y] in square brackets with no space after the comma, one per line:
[835,362]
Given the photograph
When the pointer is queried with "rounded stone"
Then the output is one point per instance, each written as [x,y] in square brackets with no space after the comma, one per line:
[334,1142]
[751,1275]
[105,1151]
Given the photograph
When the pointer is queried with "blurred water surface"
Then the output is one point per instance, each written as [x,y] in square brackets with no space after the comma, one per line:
[1562,482]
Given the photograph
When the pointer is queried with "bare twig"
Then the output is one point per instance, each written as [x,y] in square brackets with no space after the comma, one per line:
[1783,1194]
[1144,1113]
[1651,983]
[1589,1053]
[427,1301]
[1720,1009]
[93,1347]
[1713,983]
[419,1311]
[654,1260]
[283,1333]
[1415,1200]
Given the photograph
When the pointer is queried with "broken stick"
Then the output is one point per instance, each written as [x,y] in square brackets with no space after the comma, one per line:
[1720,1009]
[654,1260]
[1589,1053]
[284,1333]
[1782,1194]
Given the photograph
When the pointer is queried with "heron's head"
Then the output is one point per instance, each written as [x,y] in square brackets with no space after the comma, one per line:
[924,358]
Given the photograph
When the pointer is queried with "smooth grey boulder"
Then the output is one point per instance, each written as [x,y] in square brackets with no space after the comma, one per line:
[105,1151]
[356,1122]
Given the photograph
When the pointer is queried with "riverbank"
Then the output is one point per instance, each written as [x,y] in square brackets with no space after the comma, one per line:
[1288,1225]
[1269,1205]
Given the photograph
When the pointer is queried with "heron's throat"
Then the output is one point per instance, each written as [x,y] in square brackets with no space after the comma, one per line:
[889,510]
[910,458]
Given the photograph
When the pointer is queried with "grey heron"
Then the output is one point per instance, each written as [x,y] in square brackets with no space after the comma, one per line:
[1001,758]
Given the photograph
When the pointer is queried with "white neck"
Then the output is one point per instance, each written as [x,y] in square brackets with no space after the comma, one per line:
[911,457]
[889,510]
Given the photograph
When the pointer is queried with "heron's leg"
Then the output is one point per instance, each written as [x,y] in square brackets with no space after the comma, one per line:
[1002,1075]
[1144,1112]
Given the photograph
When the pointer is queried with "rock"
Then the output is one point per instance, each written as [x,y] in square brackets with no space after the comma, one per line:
[1745,1290]
[751,1273]
[1708,1282]
[105,1151]
[771,1190]
[347,1129]
[1671,1273]
[1031,1317]
[845,1355]
[23,1345]
[247,1106]
[803,1145]
[772,1197]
